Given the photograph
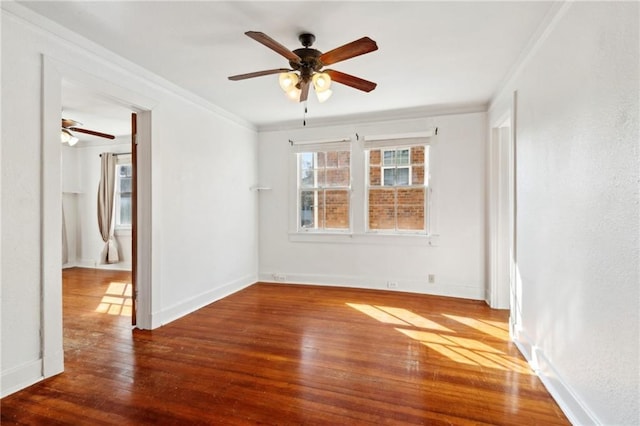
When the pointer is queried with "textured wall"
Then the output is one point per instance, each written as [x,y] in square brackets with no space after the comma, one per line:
[578,232]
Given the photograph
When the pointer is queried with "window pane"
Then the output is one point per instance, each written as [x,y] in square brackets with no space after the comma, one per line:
[124,170]
[417,175]
[332,159]
[125,185]
[307,209]
[411,205]
[417,155]
[381,209]
[389,158]
[337,177]
[374,157]
[344,159]
[402,157]
[125,209]
[306,169]
[321,178]
[389,176]
[336,209]
[402,176]
[374,176]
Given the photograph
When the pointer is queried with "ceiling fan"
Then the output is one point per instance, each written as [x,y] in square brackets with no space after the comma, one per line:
[307,66]
[66,135]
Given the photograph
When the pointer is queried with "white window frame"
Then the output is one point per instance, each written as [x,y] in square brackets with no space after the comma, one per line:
[395,166]
[399,143]
[123,160]
[315,147]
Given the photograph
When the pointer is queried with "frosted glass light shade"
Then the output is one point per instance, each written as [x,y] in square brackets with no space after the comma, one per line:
[324,95]
[67,137]
[321,81]
[288,80]
[294,93]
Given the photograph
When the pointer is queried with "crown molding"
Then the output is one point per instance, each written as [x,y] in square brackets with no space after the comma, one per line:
[378,116]
[110,60]
[540,35]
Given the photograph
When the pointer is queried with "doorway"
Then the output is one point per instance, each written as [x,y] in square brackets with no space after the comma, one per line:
[55,75]
[103,127]
[501,202]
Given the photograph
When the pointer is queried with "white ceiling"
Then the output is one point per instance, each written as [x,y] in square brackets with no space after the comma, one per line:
[431,54]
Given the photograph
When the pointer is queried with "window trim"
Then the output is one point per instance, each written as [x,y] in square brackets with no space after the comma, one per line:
[394,166]
[358,208]
[330,145]
[399,142]
[122,160]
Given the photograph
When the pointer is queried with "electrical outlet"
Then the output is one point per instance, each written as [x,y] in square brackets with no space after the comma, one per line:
[392,284]
[431,279]
[279,277]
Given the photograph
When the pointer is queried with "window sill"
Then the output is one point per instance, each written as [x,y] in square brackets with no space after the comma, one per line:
[365,238]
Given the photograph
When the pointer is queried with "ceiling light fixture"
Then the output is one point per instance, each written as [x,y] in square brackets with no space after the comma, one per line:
[67,137]
[292,84]
[307,66]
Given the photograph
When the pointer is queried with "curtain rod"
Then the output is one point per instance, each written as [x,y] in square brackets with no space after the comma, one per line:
[117,153]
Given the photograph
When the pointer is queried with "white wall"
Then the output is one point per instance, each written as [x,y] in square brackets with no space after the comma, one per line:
[80,177]
[577,212]
[203,160]
[456,259]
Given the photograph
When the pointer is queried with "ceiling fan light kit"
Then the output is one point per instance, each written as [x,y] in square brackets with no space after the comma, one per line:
[67,137]
[306,66]
[71,125]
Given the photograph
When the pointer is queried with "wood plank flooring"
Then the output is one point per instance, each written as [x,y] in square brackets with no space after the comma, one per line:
[277,354]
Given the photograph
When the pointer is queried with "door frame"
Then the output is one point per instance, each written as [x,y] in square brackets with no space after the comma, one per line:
[54,73]
[501,202]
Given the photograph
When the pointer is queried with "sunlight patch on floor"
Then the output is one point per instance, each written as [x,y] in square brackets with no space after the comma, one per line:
[116,300]
[493,328]
[414,319]
[378,314]
[444,340]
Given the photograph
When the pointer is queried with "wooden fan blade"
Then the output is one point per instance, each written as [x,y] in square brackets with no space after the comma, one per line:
[304,90]
[352,81]
[91,132]
[273,45]
[66,123]
[349,50]
[258,74]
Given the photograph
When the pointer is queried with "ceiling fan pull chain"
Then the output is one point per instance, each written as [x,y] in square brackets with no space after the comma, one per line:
[304,117]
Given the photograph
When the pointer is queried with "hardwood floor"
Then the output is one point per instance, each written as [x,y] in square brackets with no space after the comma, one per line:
[285,355]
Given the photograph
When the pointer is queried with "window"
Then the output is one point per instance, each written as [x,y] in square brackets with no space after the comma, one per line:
[123,195]
[396,167]
[398,179]
[324,184]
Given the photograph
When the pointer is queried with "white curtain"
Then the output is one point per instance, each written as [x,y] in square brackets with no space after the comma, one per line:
[106,206]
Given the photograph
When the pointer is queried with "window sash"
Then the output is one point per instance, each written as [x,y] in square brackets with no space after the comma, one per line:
[124,173]
[393,208]
[325,187]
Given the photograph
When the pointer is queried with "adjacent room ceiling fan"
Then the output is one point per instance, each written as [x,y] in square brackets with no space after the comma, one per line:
[307,66]
[66,135]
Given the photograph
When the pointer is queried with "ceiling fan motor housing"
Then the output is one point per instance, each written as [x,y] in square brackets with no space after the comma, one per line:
[309,58]
[309,61]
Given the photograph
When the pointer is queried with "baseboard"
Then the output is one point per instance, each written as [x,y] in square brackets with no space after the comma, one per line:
[570,404]
[192,304]
[89,263]
[474,292]
[20,377]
